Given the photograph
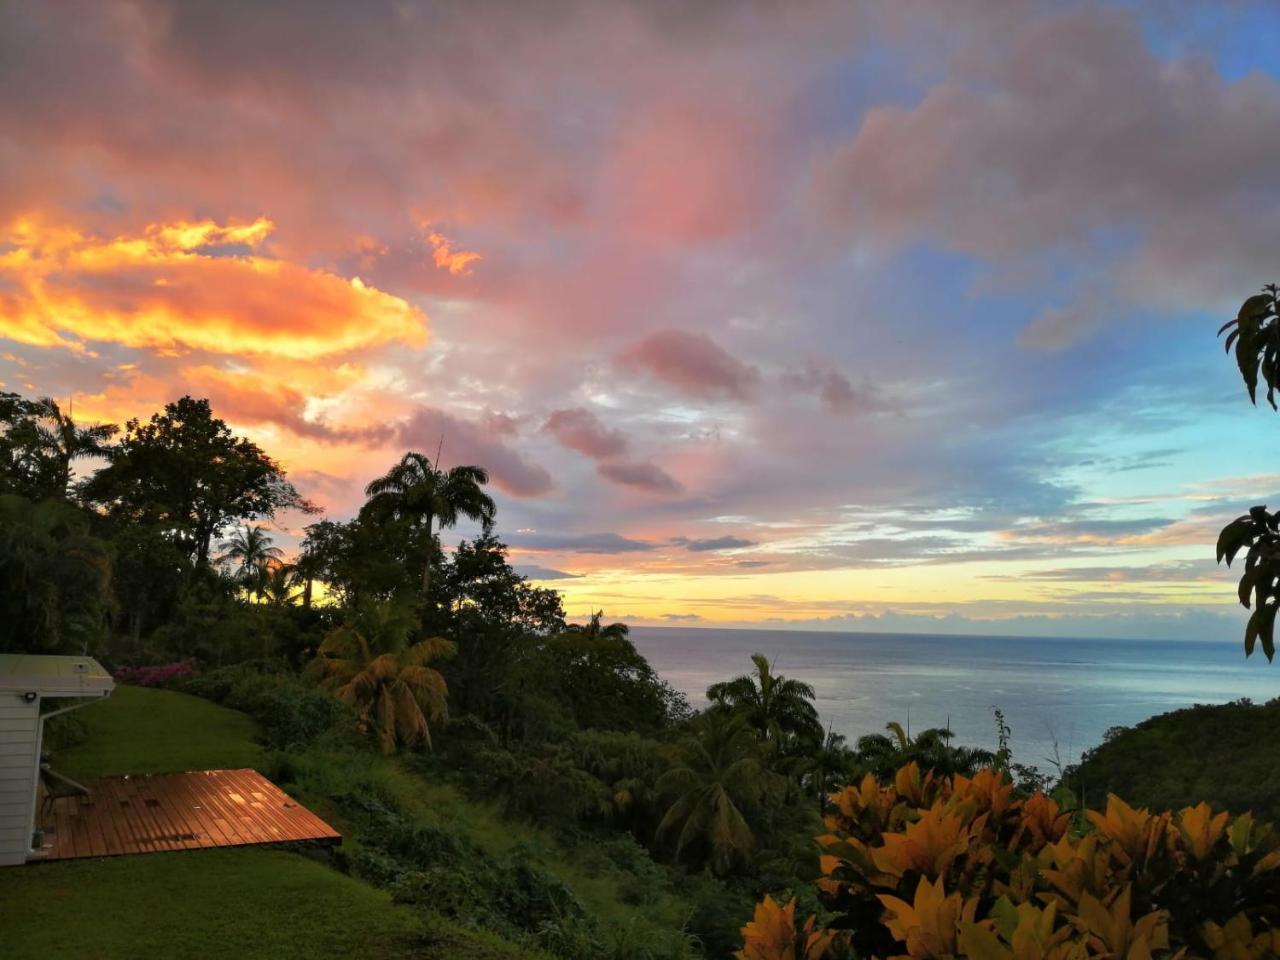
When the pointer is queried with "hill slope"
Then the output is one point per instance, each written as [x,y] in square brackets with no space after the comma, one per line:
[1226,754]
[232,903]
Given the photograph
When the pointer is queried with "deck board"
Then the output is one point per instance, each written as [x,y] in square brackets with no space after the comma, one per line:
[177,811]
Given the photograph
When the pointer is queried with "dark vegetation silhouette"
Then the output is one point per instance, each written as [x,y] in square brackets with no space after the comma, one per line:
[593,811]
[1255,336]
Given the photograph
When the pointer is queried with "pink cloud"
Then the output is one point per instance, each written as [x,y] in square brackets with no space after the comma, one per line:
[642,476]
[1071,128]
[693,363]
[467,442]
[581,430]
[832,388]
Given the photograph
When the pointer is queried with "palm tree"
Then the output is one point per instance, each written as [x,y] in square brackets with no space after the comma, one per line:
[775,706]
[717,785]
[55,578]
[65,442]
[415,490]
[594,629]
[41,443]
[932,749]
[369,663]
[307,567]
[277,584]
[251,552]
[828,762]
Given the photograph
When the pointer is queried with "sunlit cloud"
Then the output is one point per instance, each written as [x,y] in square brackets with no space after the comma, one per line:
[820,315]
[447,257]
[186,286]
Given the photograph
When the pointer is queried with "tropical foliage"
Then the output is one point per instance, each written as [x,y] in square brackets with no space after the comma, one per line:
[1225,754]
[56,576]
[370,663]
[715,789]
[150,547]
[417,492]
[944,867]
[1255,334]
[184,470]
[778,708]
[931,749]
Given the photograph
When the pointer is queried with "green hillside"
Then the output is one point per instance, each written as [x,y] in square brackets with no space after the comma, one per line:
[233,903]
[1226,754]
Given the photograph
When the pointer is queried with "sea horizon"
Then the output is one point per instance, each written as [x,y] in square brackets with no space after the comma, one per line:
[1059,695]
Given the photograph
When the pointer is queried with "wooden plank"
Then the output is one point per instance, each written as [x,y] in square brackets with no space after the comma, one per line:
[206,792]
[208,787]
[104,815]
[197,816]
[269,826]
[176,801]
[146,828]
[187,811]
[270,807]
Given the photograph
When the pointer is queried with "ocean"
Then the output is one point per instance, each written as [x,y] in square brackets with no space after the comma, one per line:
[1059,696]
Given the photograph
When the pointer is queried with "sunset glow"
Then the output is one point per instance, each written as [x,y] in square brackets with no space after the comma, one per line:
[807,314]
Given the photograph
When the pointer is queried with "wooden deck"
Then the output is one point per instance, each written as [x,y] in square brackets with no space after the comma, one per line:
[177,811]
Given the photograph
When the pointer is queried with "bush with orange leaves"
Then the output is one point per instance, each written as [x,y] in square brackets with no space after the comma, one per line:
[959,867]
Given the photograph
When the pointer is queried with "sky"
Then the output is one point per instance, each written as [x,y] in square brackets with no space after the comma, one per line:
[878,316]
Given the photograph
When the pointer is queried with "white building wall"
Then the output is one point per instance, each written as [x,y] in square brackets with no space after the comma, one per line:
[19,768]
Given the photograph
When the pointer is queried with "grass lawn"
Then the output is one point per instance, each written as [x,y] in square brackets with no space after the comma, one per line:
[205,904]
[136,730]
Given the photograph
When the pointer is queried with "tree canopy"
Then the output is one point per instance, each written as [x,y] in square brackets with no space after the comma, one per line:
[185,472]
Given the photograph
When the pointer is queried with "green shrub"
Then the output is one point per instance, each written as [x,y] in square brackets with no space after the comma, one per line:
[63,731]
[291,713]
[1225,754]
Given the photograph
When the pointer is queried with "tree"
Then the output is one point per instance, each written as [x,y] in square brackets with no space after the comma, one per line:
[369,663]
[596,674]
[718,784]
[277,582]
[831,760]
[39,444]
[55,578]
[1255,334]
[414,490]
[186,472]
[250,553]
[309,566]
[498,620]
[776,707]
[148,577]
[930,749]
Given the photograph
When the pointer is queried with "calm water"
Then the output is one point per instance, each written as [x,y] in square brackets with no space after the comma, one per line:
[1068,690]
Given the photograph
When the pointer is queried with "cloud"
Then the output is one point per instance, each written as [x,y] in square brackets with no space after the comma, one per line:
[580,430]
[1179,572]
[604,543]
[1066,133]
[447,257]
[470,442]
[692,363]
[255,397]
[1095,531]
[681,617]
[833,388]
[534,572]
[648,477]
[712,543]
[188,285]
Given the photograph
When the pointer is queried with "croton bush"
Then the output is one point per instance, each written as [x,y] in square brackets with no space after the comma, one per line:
[952,867]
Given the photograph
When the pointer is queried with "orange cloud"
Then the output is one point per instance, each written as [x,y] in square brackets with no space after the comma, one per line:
[188,286]
[457,262]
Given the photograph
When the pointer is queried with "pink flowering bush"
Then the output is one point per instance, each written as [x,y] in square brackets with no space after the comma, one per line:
[157,675]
